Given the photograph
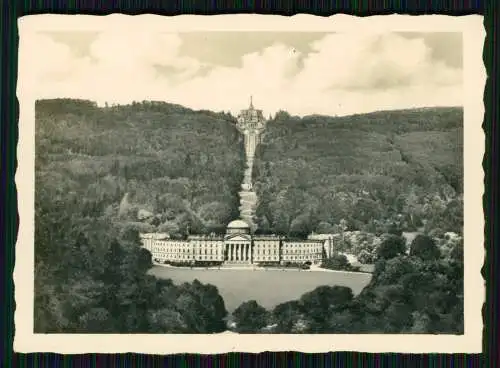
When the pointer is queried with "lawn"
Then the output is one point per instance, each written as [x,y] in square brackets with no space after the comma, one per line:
[268,288]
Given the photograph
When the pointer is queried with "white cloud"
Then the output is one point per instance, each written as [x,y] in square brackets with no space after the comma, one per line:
[343,74]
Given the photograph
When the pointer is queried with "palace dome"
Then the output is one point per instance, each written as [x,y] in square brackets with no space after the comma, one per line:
[238,224]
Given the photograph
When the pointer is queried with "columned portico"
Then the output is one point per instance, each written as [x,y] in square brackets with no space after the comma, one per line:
[238,243]
[238,252]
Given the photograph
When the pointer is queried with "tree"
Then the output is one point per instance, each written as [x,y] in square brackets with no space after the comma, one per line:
[202,307]
[391,247]
[341,322]
[79,255]
[212,305]
[300,226]
[325,228]
[425,248]
[287,315]
[366,209]
[90,271]
[263,224]
[365,257]
[113,259]
[412,208]
[166,320]
[337,262]
[131,236]
[457,253]
[49,310]
[145,260]
[96,320]
[250,317]
[320,303]
[446,216]
[215,214]
[395,228]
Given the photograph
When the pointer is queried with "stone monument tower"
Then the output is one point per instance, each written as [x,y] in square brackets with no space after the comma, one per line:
[251,123]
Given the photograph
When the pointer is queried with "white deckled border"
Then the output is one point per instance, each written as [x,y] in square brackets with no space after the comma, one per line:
[474,81]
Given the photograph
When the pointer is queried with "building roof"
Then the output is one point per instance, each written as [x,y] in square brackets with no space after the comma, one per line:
[238,224]
[251,111]
[244,237]
[291,241]
[207,238]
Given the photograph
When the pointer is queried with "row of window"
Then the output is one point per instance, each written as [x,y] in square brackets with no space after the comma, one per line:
[189,251]
[256,243]
[295,245]
[206,258]
[160,246]
[301,251]
[170,256]
[211,257]
[220,244]
[216,251]
[268,251]
[169,244]
[176,250]
[287,249]
[257,258]
[184,257]
[297,258]
[261,258]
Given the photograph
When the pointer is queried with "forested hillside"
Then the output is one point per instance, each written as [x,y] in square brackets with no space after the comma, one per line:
[372,170]
[103,175]
[416,293]
[174,167]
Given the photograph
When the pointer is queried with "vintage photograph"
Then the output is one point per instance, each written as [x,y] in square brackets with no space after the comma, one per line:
[248,182]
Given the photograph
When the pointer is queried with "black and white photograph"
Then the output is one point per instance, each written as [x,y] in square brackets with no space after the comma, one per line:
[250,184]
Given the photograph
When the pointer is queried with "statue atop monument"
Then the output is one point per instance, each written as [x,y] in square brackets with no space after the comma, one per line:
[251,119]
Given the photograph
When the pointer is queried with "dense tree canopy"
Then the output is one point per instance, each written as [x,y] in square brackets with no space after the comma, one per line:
[250,317]
[337,262]
[183,168]
[424,247]
[105,174]
[406,295]
[96,168]
[383,172]
[392,246]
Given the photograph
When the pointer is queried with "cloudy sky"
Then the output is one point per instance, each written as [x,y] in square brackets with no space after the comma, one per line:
[303,73]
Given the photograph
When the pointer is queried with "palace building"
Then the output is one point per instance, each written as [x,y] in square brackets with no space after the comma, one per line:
[237,247]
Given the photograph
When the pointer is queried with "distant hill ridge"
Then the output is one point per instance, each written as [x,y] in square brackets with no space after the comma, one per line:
[402,166]
[61,105]
[184,166]
[104,173]
[432,109]
[309,172]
